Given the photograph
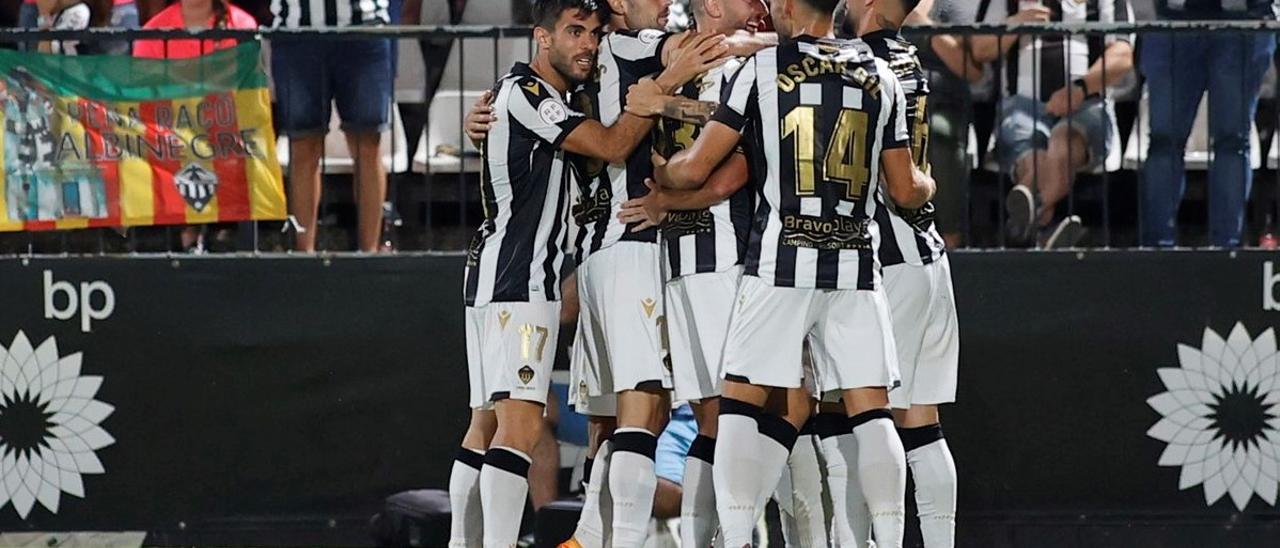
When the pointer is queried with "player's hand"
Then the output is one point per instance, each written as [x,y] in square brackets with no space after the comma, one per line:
[645,98]
[480,118]
[920,218]
[647,210]
[696,55]
[1031,14]
[660,174]
[1065,101]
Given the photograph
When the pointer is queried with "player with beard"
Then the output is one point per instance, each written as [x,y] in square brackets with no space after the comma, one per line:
[917,280]
[825,121]
[704,236]
[513,266]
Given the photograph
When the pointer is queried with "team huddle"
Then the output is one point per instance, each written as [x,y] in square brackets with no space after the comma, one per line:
[750,222]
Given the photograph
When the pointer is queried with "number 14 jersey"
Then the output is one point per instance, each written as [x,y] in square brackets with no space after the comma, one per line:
[818,113]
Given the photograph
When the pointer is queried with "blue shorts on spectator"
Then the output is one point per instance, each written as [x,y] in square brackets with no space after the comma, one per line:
[311,76]
[1025,126]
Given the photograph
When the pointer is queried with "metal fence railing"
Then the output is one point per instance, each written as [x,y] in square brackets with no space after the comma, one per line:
[432,200]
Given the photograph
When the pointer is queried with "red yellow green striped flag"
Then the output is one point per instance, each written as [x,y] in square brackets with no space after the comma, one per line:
[95,141]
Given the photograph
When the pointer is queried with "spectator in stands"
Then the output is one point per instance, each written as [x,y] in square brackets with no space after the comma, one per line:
[114,13]
[193,15]
[312,75]
[950,68]
[1055,119]
[64,15]
[1179,68]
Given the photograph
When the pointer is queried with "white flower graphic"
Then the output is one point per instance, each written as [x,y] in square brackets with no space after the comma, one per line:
[1221,416]
[48,425]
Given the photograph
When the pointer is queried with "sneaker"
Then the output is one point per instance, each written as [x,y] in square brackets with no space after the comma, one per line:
[1021,207]
[1067,234]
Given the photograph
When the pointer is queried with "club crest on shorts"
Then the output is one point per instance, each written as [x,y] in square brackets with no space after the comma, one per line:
[503,316]
[648,305]
[197,185]
[526,374]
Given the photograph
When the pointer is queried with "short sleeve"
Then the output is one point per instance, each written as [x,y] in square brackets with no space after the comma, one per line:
[736,95]
[896,134]
[642,48]
[533,105]
[73,18]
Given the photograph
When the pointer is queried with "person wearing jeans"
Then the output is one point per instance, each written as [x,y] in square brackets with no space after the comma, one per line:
[312,76]
[1179,68]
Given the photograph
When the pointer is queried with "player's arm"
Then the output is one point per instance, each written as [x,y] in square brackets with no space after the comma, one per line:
[649,210]
[908,186]
[690,167]
[647,98]
[615,143]
[744,43]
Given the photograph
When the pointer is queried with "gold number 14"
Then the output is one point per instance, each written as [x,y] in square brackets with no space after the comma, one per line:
[846,152]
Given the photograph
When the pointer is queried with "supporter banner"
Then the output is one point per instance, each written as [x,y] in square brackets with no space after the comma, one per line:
[167,394]
[95,141]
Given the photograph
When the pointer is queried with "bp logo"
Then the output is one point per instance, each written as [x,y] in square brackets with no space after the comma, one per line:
[1221,416]
[49,425]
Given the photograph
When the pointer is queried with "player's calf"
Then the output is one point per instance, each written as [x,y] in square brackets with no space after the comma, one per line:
[881,468]
[934,472]
[466,521]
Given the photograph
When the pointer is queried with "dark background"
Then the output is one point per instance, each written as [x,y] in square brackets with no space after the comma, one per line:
[265,392]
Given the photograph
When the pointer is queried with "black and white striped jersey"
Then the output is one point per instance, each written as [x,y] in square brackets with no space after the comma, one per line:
[519,249]
[330,13]
[1042,64]
[918,242]
[623,59]
[821,111]
[713,239]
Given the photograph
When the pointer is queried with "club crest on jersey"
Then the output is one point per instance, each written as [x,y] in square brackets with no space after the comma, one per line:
[648,305]
[551,111]
[503,316]
[197,185]
[526,374]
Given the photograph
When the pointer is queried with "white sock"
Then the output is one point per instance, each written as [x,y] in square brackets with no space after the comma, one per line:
[804,522]
[632,483]
[504,486]
[597,502]
[850,520]
[934,472]
[698,521]
[777,438]
[466,519]
[737,471]
[882,472]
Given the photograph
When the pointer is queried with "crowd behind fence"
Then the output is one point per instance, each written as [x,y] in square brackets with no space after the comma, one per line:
[432,199]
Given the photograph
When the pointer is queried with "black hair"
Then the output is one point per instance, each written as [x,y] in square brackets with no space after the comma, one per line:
[547,12]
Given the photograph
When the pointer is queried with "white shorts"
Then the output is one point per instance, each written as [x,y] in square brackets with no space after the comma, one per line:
[698,311]
[849,331]
[923,306]
[619,344]
[605,405]
[510,350]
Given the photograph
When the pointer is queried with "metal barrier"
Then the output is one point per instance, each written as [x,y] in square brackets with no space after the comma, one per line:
[432,197]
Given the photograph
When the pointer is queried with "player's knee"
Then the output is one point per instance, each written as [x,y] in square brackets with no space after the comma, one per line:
[916,416]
